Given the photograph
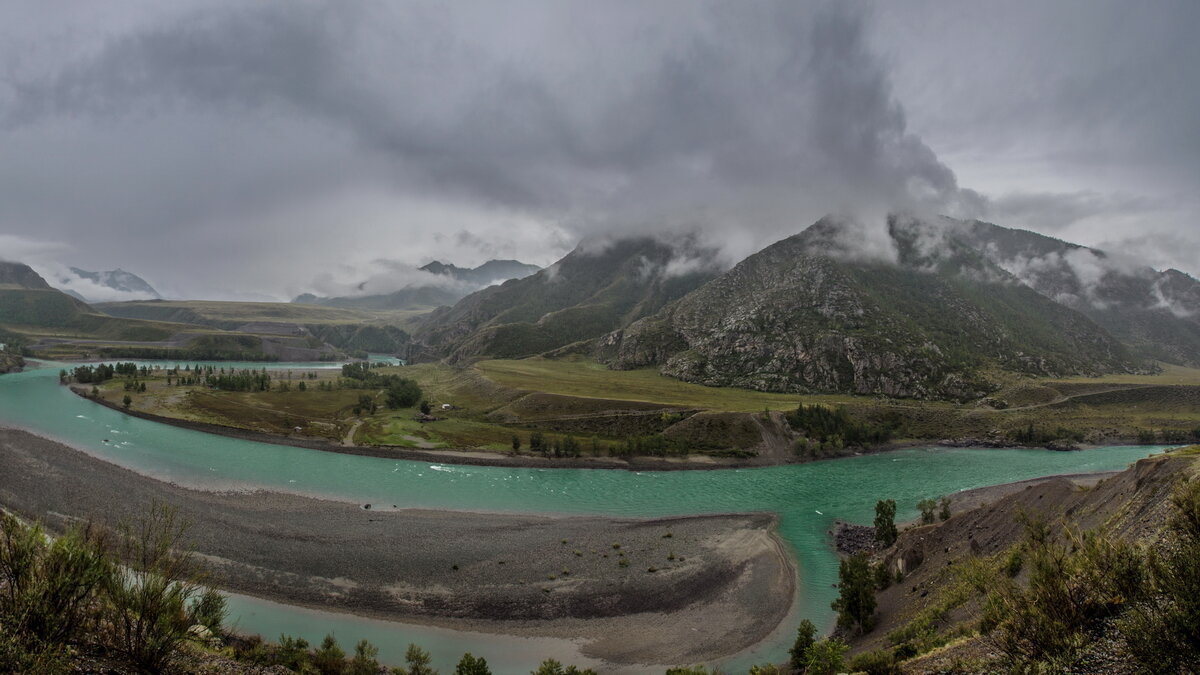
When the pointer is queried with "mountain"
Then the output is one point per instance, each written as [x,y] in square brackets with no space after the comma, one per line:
[118,280]
[487,274]
[19,275]
[1156,313]
[420,297]
[598,287]
[462,281]
[815,313]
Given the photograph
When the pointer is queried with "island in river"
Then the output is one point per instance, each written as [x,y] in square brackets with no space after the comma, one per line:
[574,413]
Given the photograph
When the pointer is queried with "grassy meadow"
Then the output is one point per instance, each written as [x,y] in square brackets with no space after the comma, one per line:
[493,400]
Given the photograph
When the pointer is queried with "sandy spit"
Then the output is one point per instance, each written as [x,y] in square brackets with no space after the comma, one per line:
[719,584]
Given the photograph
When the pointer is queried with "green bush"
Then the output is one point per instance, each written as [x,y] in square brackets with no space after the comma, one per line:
[1163,631]
[825,657]
[149,597]
[470,665]
[329,659]
[880,662]
[417,662]
[48,588]
[364,662]
[209,611]
[1071,587]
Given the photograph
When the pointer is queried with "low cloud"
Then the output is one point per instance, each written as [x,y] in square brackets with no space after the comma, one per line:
[744,121]
[378,277]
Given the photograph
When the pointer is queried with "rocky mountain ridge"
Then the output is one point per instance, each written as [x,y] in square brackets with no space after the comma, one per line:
[1157,313]
[811,314]
[598,287]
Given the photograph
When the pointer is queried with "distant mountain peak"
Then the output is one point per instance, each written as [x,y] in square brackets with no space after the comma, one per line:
[433,293]
[117,280]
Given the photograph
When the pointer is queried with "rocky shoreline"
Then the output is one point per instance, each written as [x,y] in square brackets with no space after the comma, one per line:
[508,574]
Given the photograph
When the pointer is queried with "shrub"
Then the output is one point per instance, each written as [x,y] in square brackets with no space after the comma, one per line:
[927,508]
[1163,632]
[1014,562]
[48,589]
[880,662]
[418,662]
[209,611]
[1071,587]
[944,513]
[469,665]
[292,653]
[364,662]
[149,597]
[825,657]
[329,659]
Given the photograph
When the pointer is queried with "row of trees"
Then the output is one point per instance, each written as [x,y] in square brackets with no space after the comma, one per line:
[101,372]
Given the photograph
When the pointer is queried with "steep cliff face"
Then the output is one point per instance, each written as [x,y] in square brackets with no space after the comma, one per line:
[806,315]
[599,287]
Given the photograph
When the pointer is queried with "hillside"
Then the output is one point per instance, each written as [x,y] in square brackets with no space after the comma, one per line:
[809,314]
[1156,313]
[961,591]
[18,275]
[598,287]
[30,306]
[52,324]
[458,283]
[343,328]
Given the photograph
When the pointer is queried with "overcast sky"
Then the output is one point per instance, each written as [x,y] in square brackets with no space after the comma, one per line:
[262,149]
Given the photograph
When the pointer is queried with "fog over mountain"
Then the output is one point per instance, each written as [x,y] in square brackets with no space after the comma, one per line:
[225,149]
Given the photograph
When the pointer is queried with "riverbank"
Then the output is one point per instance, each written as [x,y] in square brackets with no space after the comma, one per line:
[850,538]
[507,574]
[442,455]
[509,460]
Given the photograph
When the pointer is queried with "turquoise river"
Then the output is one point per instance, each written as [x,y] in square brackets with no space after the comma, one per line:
[807,498]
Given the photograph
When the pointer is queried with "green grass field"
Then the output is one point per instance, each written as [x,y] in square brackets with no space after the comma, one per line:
[248,312]
[493,400]
[1170,374]
[587,378]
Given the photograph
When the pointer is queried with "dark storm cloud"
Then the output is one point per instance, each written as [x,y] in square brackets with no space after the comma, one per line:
[264,137]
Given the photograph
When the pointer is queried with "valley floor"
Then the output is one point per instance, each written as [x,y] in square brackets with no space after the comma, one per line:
[510,574]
